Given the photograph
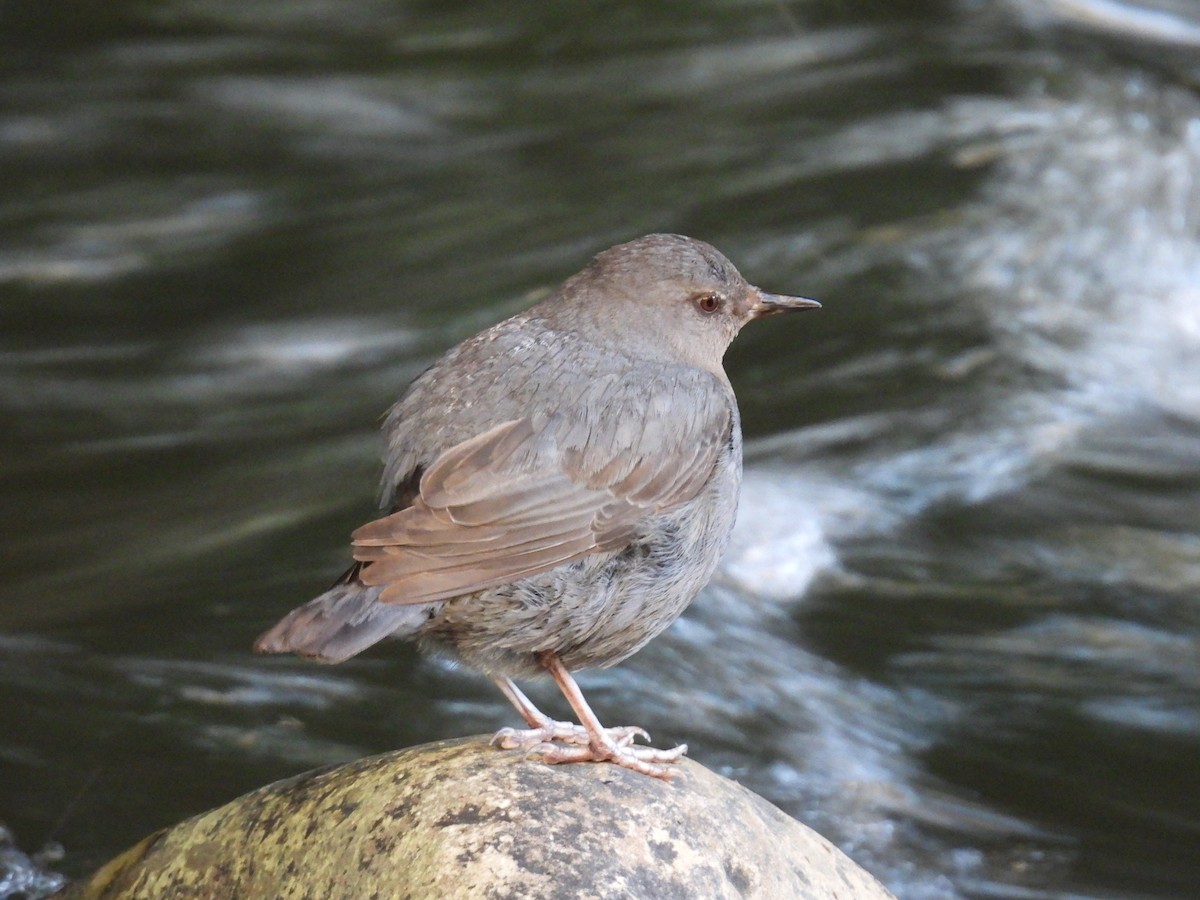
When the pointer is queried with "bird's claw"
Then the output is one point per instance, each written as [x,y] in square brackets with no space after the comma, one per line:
[524,738]
[564,733]
[646,760]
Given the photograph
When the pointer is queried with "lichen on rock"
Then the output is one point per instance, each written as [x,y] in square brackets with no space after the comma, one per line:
[460,819]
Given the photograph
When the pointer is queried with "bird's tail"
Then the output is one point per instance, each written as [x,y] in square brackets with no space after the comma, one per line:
[345,620]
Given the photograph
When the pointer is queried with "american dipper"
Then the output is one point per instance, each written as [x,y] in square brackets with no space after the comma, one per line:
[559,488]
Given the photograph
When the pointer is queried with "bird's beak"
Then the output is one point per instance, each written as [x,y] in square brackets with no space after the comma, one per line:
[768,304]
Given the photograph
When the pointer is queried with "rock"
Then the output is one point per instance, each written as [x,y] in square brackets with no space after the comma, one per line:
[461,819]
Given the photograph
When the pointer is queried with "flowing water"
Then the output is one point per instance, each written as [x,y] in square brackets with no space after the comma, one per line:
[958,631]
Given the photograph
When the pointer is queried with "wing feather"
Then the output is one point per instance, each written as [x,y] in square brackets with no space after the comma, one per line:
[534,493]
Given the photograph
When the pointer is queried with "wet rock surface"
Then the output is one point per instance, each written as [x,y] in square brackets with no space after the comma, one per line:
[462,819]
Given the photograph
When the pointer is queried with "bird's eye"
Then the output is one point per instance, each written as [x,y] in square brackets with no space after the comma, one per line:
[707,303]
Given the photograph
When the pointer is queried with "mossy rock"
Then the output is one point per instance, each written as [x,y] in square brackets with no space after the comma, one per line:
[461,819]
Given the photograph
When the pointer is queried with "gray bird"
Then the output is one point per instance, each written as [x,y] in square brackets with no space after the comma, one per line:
[560,487]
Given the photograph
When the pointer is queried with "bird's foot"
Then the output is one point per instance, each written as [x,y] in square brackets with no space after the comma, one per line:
[623,752]
[566,742]
[550,731]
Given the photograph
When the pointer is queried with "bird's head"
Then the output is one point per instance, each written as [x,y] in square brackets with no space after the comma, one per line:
[666,297]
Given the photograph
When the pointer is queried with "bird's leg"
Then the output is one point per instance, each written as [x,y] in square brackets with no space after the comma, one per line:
[603,744]
[543,729]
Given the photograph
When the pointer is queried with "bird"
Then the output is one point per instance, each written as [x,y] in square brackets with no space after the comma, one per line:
[557,489]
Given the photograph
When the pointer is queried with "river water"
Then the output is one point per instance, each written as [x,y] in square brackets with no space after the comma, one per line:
[958,631]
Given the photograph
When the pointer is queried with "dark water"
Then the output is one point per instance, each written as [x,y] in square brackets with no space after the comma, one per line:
[959,629]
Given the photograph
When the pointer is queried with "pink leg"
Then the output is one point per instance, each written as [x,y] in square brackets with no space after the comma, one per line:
[542,729]
[603,744]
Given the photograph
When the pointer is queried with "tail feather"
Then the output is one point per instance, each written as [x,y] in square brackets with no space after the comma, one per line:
[344,621]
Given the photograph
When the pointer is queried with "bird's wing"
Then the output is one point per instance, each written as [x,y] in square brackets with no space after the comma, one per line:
[534,493]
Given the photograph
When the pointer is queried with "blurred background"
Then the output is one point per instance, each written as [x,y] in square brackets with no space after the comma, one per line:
[958,631]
